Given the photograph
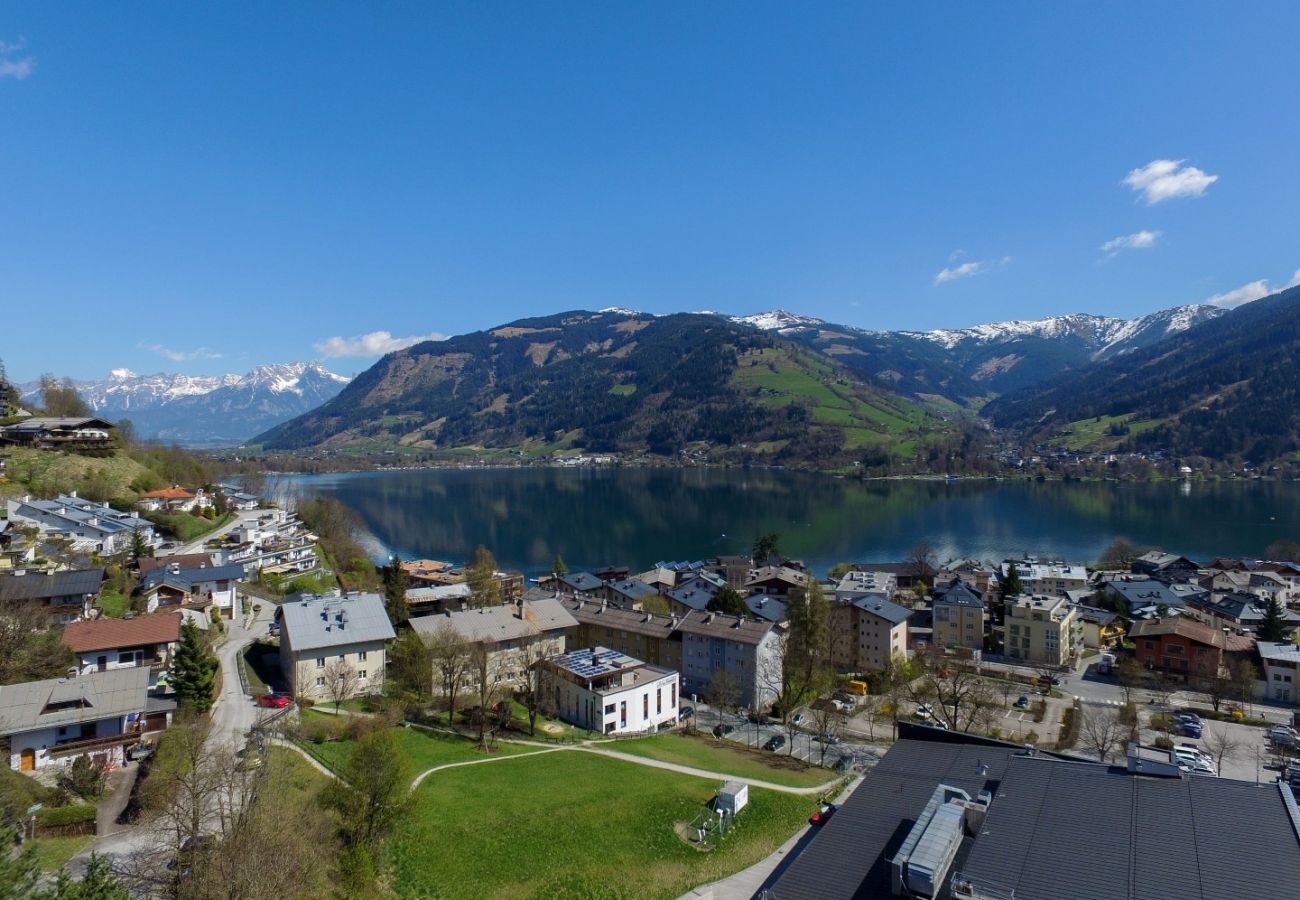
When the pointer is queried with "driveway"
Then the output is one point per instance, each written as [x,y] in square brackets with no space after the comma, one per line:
[241,516]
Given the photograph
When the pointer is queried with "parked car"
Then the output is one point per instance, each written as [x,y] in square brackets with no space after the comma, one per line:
[843,706]
[1188,729]
[830,740]
[142,750]
[798,720]
[686,712]
[1284,736]
[775,742]
[845,697]
[823,814]
[274,700]
[723,730]
[1022,702]
[1190,718]
[924,712]
[759,718]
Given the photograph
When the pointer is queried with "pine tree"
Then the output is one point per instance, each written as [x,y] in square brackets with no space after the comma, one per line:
[728,600]
[1011,584]
[396,581]
[18,871]
[139,548]
[194,670]
[1273,627]
[559,568]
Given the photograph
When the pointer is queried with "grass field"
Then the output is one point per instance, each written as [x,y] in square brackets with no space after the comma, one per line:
[1094,433]
[425,749]
[53,852]
[573,825]
[52,472]
[113,604]
[185,527]
[718,756]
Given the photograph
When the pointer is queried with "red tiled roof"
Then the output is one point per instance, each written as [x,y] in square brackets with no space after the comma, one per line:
[171,493]
[105,634]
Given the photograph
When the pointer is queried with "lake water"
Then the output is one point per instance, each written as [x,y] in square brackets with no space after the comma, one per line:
[633,517]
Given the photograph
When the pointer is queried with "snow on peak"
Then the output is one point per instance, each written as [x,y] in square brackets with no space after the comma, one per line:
[775,320]
[620,311]
[121,374]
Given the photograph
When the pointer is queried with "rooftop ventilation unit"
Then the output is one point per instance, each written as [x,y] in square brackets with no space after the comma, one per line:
[920,866]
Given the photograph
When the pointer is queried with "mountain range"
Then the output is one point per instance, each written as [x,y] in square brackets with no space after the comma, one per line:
[772,387]
[197,409]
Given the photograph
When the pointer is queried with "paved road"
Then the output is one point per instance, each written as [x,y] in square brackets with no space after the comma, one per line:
[196,546]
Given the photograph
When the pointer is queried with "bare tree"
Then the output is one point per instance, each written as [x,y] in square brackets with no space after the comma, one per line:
[955,692]
[341,681]
[1101,732]
[1243,675]
[724,691]
[450,653]
[534,653]
[484,672]
[869,709]
[1131,676]
[828,724]
[921,563]
[1220,744]
[481,576]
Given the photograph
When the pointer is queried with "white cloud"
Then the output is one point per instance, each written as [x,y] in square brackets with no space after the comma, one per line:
[1248,293]
[1166,179]
[15,68]
[376,343]
[181,355]
[1138,240]
[968,269]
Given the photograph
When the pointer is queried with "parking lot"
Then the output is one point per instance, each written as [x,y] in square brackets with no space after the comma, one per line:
[804,746]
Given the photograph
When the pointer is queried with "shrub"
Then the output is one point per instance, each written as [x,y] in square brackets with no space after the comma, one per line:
[66,815]
[84,778]
[1128,714]
[1164,743]
[1162,722]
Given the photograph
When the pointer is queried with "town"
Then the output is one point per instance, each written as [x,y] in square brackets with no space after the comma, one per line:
[188,690]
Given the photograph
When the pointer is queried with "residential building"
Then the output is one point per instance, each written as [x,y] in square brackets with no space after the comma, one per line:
[583,585]
[1042,630]
[693,593]
[1281,662]
[1101,627]
[1180,646]
[959,616]
[734,570]
[749,649]
[103,644]
[54,432]
[52,722]
[173,586]
[1046,578]
[946,814]
[1236,611]
[855,583]
[322,636]
[629,592]
[642,634]
[515,635]
[1145,597]
[1165,566]
[775,581]
[609,692]
[17,549]
[770,609]
[63,596]
[867,632]
[434,599]
[88,526]
[175,499]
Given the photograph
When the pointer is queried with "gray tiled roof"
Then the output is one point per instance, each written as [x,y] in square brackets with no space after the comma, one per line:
[493,624]
[633,588]
[959,593]
[773,609]
[695,593]
[609,615]
[741,629]
[312,623]
[41,586]
[187,578]
[885,609]
[102,695]
[581,581]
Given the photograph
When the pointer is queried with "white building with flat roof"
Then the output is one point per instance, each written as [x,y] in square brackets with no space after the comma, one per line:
[606,691]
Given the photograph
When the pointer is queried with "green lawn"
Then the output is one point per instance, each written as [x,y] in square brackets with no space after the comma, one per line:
[724,756]
[113,604]
[54,852]
[425,749]
[573,825]
[185,527]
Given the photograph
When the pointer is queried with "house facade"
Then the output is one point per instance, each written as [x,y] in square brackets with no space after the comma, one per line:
[63,596]
[1179,646]
[52,722]
[1042,630]
[609,692]
[959,617]
[1281,664]
[322,636]
[1046,578]
[175,499]
[172,585]
[104,644]
[642,634]
[88,526]
[866,634]
[748,649]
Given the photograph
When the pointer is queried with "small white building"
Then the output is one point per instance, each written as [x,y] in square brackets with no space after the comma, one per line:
[1281,670]
[732,798]
[322,637]
[606,691]
[52,722]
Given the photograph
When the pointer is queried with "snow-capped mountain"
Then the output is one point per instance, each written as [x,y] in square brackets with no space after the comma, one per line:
[1104,335]
[776,320]
[201,409]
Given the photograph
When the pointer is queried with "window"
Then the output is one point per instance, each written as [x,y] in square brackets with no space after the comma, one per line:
[362,675]
[674,696]
[361,656]
[645,706]
[609,709]
[320,682]
[659,700]
[320,662]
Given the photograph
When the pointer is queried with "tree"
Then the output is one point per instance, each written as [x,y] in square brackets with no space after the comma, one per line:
[450,653]
[483,670]
[1101,731]
[1120,554]
[1130,674]
[1283,550]
[766,546]
[341,681]
[1011,581]
[1273,625]
[955,692]
[869,710]
[194,670]
[921,562]
[724,690]
[558,567]
[97,883]
[534,652]
[828,724]
[60,398]
[1220,744]
[140,548]
[411,665]
[481,576]
[29,649]
[375,791]
[1243,675]
[396,582]
[18,871]
[728,600]
[806,667]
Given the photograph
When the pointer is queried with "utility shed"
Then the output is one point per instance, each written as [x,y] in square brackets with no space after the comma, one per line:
[732,797]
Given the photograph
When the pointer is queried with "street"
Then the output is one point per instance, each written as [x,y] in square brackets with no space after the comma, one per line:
[804,746]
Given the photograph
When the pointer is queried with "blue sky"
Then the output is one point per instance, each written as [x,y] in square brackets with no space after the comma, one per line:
[206,188]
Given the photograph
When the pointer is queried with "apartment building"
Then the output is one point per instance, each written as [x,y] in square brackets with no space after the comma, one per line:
[324,637]
[641,634]
[866,633]
[1042,630]
[514,634]
[1046,578]
[749,649]
[610,692]
[959,617]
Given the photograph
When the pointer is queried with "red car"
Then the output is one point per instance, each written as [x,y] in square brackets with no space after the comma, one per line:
[823,814]
[274,700]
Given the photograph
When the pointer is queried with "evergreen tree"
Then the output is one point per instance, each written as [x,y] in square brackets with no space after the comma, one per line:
[396,581]
[194,670]
[1011,584]
[1273,628]
[480,574]
[766,546]
[140,549]
[98,883]
[728,600]
[559,568]
[18,872]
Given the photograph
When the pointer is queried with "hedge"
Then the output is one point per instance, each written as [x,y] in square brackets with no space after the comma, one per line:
[66,815]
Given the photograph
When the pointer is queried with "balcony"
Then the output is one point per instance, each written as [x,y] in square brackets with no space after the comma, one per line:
[89,745]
